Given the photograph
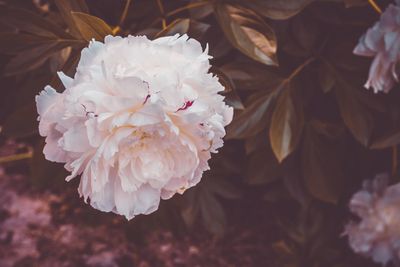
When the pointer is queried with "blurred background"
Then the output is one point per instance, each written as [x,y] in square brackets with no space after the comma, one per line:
[304,136]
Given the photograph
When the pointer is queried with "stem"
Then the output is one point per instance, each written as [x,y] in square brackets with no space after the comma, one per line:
[16,157]
[124,12]
[122,18]
[180,9]
[375,6]
[394,160]
[163,20]
[187,7]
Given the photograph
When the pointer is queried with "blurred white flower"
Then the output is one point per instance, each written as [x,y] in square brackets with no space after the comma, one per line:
[377,234]
[382,42]
[138,121]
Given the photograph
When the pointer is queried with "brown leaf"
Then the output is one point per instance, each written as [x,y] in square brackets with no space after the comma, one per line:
[353,3]
[91,27]
[248,32]
[357,117]
[180,26]
[247,76]
[388,140]
[286,125]
[28,60]
[262,167]
[326,78]
[66,7]
[231,96]
[274,9]
[322,166]
[194,29]
[32,23]
[253,119]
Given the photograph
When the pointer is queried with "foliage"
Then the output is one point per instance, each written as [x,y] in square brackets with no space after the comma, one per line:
[305,132]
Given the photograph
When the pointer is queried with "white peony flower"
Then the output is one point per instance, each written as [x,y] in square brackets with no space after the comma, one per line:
[138,121]
[382,41]
[377,234]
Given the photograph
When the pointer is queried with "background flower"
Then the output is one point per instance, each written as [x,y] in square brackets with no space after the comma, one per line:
[377,234]
[382,42]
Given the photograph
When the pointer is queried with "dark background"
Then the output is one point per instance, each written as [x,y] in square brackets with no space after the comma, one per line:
[261,204]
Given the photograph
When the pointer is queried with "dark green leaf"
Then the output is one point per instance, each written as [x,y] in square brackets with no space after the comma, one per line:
[248,32]
[91,27]
[286,125]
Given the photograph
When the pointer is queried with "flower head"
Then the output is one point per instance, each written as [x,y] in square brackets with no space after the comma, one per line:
[382,42]
[377,234]
[138,121]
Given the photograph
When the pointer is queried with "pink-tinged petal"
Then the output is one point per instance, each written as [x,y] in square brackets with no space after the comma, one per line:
[66,81]
[46,99]
[138,121]
[376,234]
[75,139]
[382,41]
[52,150]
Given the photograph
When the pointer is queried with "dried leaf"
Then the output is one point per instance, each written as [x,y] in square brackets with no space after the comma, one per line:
[231,96]
[248,33]
[278,9]
[286,125]
[66,7]
[91,27]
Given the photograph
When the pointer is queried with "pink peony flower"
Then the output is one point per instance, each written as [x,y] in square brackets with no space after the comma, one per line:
[138,121]
[377,234]
[382,42]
